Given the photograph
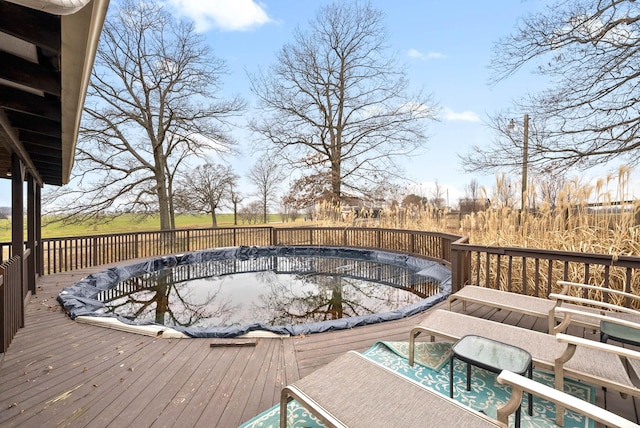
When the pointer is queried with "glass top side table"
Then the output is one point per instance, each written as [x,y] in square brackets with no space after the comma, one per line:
[493,356]
[621,333]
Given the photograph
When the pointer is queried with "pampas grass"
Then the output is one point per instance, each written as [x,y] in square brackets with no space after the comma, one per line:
[581,218]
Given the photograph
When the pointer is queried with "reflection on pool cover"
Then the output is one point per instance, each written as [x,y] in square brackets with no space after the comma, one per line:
[115,292]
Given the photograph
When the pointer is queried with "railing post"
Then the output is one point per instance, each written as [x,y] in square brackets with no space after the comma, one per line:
[3,309]
[456,270]
[460,268]
[136,243]
[94,260]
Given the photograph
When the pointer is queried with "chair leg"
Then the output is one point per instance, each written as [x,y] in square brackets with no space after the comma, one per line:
[451,375]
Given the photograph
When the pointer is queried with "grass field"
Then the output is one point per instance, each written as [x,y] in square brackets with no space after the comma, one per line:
[121,224]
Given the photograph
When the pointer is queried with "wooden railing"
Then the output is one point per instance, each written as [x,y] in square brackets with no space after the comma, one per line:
[536,271]
[522,270]
[11,301]
[69,253]
[429,245]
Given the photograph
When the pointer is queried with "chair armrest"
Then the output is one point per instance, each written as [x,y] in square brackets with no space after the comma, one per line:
[521,384]
[601,317]
[290,392]
[566,285]
[564,296]
[590,302]
[579,341]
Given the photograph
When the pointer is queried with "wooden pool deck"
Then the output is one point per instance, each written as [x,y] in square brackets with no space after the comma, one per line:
[58,372]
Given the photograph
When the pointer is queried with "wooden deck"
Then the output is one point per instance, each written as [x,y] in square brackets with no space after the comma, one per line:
[58,372]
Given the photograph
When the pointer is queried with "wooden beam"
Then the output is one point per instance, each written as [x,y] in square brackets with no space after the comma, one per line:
[29,74]
[16,148]
[40,28]
[51,162]
[39,141]
[37,124]
[25,102]
[50,173]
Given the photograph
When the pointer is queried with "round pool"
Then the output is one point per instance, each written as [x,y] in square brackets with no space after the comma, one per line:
[228,292]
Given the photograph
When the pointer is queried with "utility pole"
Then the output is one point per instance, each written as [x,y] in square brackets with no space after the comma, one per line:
[525,160]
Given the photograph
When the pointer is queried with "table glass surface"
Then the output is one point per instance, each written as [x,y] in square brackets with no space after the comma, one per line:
[620,331]
[492,353]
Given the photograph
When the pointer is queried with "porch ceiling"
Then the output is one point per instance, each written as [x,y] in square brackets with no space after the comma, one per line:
[46,64]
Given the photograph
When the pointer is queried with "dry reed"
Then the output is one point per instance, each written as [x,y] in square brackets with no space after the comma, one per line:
[581,218]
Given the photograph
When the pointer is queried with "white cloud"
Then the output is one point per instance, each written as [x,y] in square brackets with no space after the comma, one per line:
[225,15]
[414,53]
[465,116]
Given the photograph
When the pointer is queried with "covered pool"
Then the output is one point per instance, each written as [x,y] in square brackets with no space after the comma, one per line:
[103,295]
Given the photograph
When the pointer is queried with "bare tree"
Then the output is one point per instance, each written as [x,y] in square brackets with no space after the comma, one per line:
[266,176]
[308,191]
[152,104]
[251,212]
[235,198]
[472,201]
[549,187]
[504,193]
[207,188]
[414,201]
[336,105]
[507,152]
[588,51]
[288,210]
[437,195]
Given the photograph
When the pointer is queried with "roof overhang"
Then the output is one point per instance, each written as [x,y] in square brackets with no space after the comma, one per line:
[47,48]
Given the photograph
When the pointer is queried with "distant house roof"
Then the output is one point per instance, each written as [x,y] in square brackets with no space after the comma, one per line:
[47,49]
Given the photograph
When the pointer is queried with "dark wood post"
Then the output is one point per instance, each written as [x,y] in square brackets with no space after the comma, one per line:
[38,225]
[17,221]
[31,234]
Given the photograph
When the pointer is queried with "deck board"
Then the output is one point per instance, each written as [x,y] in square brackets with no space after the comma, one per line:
[58,372]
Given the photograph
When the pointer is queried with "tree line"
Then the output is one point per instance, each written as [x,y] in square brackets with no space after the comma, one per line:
[335,112]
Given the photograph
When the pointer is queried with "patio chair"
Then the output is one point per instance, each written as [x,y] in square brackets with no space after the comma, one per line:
[353,391]
[516,302]
[621,323]
[520,384]
[541,307]
[585,360]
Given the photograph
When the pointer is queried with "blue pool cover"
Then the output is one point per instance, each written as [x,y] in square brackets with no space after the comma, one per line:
[80,299]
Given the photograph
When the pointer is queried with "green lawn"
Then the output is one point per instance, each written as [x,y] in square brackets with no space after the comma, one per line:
[124,223]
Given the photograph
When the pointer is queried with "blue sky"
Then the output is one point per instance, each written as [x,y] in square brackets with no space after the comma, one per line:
[446,47]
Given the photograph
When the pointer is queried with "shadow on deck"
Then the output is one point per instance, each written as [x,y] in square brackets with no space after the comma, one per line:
[58,372]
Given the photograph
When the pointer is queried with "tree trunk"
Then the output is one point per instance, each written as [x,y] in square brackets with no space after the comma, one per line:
[235,214]
[264,210]
[172,215]
[163,205]
[214,220]
[336,183]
